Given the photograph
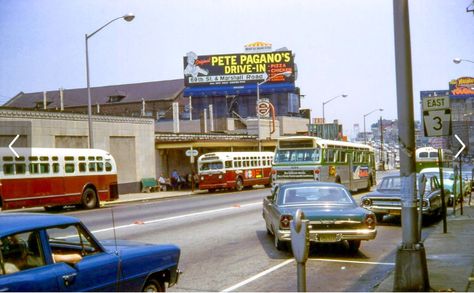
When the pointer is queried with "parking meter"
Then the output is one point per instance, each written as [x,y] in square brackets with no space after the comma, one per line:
[421,193]
[300,246]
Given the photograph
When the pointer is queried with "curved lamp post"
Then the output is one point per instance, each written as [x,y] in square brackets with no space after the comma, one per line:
[324,103]
[459,60]
[268,78]
[127,17]
[333,98]
[365,133]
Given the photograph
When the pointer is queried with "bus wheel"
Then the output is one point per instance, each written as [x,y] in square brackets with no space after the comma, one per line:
[89,198]
[239,185]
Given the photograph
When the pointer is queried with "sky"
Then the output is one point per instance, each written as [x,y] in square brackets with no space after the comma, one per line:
[341,46]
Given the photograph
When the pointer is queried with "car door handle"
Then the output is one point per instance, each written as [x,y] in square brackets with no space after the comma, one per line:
[69,279]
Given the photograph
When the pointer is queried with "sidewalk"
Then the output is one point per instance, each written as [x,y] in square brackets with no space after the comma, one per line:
[450,256]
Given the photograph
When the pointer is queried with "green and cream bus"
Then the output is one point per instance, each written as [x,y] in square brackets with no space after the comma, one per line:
[427,157]
[306,158]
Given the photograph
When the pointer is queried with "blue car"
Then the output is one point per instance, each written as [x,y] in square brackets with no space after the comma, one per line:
[41,252]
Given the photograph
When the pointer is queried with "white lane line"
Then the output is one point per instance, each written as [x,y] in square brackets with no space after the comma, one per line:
[251,279]
[353,261]
[179,217]
[266,272]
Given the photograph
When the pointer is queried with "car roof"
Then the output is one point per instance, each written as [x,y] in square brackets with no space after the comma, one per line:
[436,169]
[309,184]
[11,223]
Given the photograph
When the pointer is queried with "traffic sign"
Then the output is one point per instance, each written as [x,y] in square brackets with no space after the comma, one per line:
[263,108]
[191,153]
[436,116]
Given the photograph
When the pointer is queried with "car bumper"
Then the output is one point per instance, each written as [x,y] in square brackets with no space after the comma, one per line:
[332,235]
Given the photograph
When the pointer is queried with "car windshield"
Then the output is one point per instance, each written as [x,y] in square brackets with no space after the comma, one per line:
[319,195]
[211,166]
[304,155]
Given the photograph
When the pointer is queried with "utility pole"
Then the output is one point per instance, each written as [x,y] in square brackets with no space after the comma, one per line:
[381,145]
[411,271]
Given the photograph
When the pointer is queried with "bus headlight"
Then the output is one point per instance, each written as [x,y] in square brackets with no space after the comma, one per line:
[220,176]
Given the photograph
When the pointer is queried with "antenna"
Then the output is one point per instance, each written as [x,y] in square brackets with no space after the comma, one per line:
[119,263]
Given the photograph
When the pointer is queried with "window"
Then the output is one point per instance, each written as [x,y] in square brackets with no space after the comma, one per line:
[69,158]
[34,168]
[44,168]
[69,168]
[228,164]
[20,252]
[8,169]
[92,167]
[108,167]
[423,155]
[7,159]
[71,239]
[44,158]
[20,168]
[55,167]
[82,158]
[330,155]
[100,166]
[82,167]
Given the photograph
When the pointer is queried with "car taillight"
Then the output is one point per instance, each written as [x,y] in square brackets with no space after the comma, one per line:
[274,171]
[370,221]
[316,171]
[285,221]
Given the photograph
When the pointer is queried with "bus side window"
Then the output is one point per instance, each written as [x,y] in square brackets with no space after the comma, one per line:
[108,167]
[44,168]
[69,168]
[8,169]
[82,167]
[34,168]
[20,168]
[92,167]
[100,166]
[228,164]
[55,167]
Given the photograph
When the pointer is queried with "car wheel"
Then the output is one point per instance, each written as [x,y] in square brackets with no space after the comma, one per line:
[211,190]
[89,198]
[354,245]
[239,184]
[153,286]
[379,217]
[279,245]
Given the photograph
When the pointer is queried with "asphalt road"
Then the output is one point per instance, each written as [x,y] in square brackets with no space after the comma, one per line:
[225,246]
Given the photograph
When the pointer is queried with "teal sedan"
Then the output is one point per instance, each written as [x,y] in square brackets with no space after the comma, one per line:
[333,214]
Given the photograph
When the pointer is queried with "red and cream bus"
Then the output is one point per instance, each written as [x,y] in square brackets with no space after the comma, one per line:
[234,170]
[55,177]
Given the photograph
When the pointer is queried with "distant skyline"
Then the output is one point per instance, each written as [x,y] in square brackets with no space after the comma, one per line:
[341,46]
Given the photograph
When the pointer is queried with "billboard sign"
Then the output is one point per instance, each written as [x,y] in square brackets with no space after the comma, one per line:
[462,87]
[237,69]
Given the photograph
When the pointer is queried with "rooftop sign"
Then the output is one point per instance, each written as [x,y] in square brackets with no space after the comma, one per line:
[235,69]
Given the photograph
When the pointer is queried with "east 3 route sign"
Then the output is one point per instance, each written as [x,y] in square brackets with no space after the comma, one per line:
[436,116]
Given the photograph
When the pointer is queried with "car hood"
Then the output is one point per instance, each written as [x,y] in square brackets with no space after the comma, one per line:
[314,213]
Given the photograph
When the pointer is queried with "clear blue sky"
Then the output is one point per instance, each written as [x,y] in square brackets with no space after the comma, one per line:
[341,46]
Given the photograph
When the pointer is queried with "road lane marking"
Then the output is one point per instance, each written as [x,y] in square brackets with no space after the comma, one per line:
[266,272]
[353,261]
[178,217]
[251,279]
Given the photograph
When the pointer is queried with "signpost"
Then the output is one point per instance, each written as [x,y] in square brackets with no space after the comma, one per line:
[263,108]
[191,153]
[436,116]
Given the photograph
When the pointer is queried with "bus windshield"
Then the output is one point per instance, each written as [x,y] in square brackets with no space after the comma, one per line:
[304,155]
[212,166]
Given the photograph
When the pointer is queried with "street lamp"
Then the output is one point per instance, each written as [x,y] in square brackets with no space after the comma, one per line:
[268,78]
[128,17]
[324,103]
[459,60]
[365,133]
[333,98]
